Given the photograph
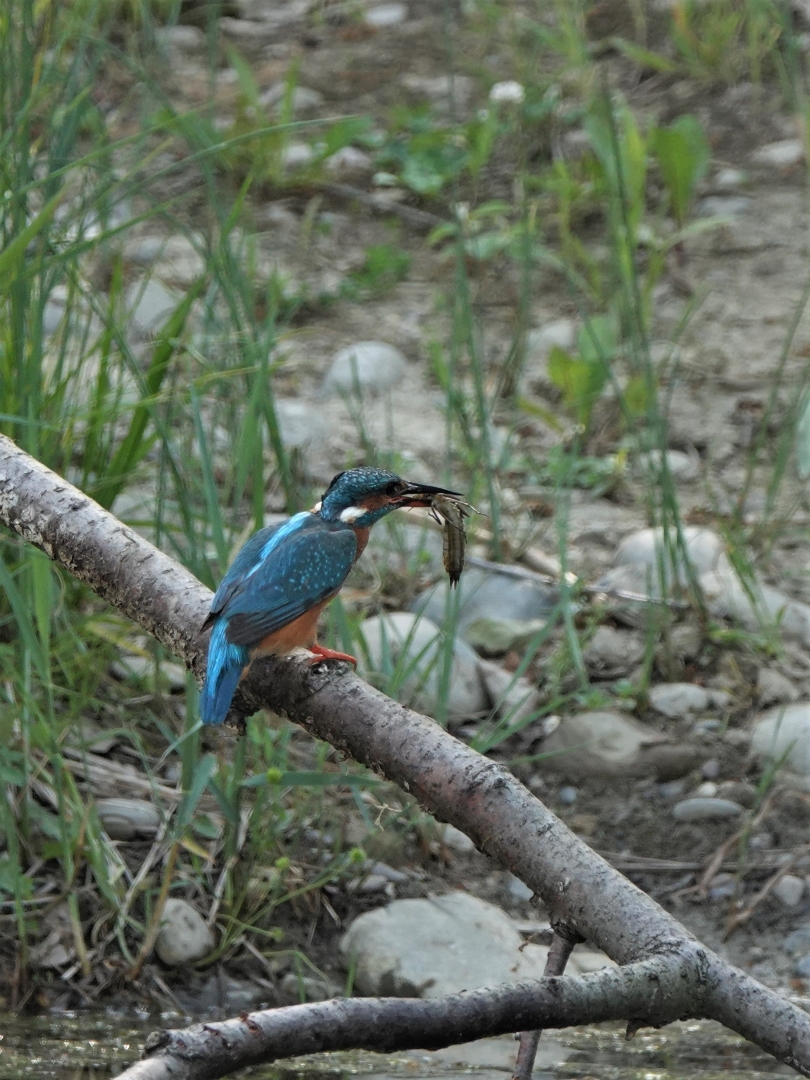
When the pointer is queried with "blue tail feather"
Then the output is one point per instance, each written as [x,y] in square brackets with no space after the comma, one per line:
[225,665]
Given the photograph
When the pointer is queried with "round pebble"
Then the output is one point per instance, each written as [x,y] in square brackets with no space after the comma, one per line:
[803,967]
[701,809]
[371,366]
[567,796]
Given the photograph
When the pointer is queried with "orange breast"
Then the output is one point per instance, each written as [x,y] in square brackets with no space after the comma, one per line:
[300,632]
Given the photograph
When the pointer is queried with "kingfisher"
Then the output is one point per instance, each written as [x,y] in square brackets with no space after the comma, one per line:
[269,601]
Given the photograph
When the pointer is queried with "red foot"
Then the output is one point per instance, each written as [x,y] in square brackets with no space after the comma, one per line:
[322,653]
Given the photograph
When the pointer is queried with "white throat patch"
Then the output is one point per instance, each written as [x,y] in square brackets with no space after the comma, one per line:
[352,513]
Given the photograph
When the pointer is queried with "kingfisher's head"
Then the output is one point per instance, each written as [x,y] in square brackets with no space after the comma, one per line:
[359,497]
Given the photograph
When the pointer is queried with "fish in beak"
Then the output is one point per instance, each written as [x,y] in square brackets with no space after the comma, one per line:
[423,494]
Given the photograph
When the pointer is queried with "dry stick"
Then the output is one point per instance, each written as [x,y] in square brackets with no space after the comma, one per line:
[456,784]
[560,949]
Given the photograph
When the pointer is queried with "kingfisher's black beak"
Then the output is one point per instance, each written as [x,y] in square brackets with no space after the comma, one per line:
[423,494]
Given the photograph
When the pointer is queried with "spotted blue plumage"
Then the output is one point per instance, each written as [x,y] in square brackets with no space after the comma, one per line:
[281,573]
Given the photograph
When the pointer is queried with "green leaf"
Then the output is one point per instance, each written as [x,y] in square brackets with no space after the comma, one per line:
[133,447]
[310,779]
[636,396]
[683,155]
[599,338]
[803,443]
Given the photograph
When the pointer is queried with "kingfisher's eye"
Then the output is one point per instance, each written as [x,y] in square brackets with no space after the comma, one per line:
[394,488]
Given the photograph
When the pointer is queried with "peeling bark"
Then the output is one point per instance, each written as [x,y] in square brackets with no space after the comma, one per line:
[450,780]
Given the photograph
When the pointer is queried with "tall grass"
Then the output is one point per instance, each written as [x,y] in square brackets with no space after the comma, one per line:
[174,428]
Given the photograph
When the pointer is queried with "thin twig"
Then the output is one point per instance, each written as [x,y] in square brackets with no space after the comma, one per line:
[558,953]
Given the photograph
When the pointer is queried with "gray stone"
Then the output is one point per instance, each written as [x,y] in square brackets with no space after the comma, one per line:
[367,367]
[611,653]
[773,688]
[441,89]
[789,890]
[780,155]
[430,948]
[300,424]
[726,597]
[784,733]
[181,261]
[187,39]
[488,594]
[683,467]
[679,701]
[305,101]
[383,15]
[518,890]
[183,936]
[567,795]
[561,333]
[514,699]
[149,305]
[494,637]
[457,840]
[646,548]
[700,809]
[608,744]
[730,178]
[413,646]
[297,155]
[797,943]
[722,206]
[802,968]
[128,819]
[349,163]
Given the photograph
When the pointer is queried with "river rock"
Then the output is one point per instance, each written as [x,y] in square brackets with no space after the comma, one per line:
[608,744]
[646,547]
[789,890]
[773,688]
[367,366]
[183,936]
[611,653]
[494,637]
[681,466]
[305,101]
[183,38]
[349,163]
[299,423]
[405,642]
[705,809]
[128,819]
[488,594]
[457,840]
[781,155]
[726,597]
[784,733]
[701,809]
[513,699]
[679,701]
[149,305]
[433,947]
[383,15]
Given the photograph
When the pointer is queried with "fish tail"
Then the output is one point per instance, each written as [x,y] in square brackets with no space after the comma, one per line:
[225,665]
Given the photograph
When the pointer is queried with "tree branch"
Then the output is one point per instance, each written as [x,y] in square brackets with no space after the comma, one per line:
[387,1025]
[449,779]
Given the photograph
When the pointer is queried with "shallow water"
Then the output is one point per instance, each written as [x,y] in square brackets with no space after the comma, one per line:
[99,1045]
